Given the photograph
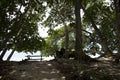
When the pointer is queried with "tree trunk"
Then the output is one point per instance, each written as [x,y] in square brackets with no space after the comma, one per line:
[4,42]
[66,37]
[117,25]
[6,47]
[78,30]
[102,41]
[66,32]
[3,53]
[102,38]
[11,54]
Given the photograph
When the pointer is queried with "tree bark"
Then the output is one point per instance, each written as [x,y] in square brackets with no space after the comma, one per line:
[4,42]
[66,34]
[78,30]
[66,37]
[117,24]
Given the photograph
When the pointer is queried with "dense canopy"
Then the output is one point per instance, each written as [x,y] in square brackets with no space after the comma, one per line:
[85,26]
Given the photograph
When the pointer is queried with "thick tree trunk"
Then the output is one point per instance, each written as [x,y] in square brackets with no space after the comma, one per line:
[117,25]
[118,28]
[78,30]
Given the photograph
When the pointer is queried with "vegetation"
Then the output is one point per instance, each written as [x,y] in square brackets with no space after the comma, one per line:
[94,32]
[86,27]
[19,29]
[77,29]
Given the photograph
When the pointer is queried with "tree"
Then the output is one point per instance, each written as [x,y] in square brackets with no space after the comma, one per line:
[117,24]
[56,40]
[22,17]
[97,16]
[60,14]
[78,42]
[55,18]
